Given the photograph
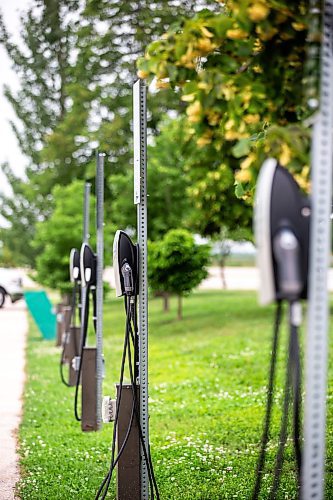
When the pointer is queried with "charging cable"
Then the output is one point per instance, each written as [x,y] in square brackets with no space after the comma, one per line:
[269,402]
[290,285]
[92,290]
[67,333]
[292,393]
[131,338]
[292,396]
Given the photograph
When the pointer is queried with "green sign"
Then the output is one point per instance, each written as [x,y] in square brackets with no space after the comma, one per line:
[42,312]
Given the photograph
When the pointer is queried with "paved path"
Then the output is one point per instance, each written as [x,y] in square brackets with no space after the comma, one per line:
[13,329]
[240,278]
[237,278]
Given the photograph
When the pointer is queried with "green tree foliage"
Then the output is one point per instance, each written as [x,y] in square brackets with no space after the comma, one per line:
[110,36]
[42,68]
[41,64]
[19,210]
[240,74]
[6,256]
[176,264]
[76,71]
[169,205]
[175,166]
[56,236]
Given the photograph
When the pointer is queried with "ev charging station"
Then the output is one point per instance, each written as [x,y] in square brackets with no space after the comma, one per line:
[72,336]
[87,360]
[294,245]
[135,473]
[88,364]
[282,223]
[71,340]
[74,330]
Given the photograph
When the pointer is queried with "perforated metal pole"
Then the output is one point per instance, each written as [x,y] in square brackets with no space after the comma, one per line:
[85,238]
[99,285]
[140,199]
[317,335]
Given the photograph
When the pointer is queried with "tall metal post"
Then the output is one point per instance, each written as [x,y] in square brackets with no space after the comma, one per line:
[317,334]
[99,284]
[85,238]
[140,199]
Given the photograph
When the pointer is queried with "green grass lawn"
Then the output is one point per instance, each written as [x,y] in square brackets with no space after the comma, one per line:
[207,394]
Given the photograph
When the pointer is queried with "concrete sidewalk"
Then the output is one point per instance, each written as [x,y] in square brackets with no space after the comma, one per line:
[13,330]
[237,278]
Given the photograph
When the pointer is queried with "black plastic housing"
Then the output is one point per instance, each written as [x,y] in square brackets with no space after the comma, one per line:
[74,265]
[290,209]
[88,261]
[125,252]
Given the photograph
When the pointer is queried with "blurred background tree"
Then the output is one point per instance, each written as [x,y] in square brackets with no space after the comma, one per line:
[177,265]
[76,72]
[6,257]
[226,93]
[62,231]
[168,184]
[240,74]
[41,64]
[56,237]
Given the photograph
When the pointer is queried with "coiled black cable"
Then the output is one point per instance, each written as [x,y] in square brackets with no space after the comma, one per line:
[269,403]
[283,430]
[292,389]
[297,401]
[67,333]
[106,481]
[83,343]
[79,309]
[147,455]
[131,334]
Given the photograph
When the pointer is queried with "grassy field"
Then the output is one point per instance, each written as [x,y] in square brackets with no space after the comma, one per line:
[207,395]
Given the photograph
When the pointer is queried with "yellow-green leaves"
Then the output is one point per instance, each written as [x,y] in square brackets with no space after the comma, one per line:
[239,74]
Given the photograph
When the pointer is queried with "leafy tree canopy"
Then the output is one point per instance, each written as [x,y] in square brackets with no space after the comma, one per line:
[59,234]
[176,263]
[169,204]
[76,66]
[240,74]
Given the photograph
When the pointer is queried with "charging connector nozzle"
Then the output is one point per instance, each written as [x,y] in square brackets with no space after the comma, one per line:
[126,271]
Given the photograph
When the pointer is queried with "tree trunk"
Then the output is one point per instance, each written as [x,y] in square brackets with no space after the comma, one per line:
[224,281]
[166,304]
[66,299]
[180,307]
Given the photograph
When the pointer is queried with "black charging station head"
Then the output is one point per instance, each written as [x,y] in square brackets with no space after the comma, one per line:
[282,223]
[74,265]
[125,264]
[88,266]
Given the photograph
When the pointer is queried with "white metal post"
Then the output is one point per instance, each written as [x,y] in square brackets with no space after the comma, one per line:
[140,199]
[99,284]
[312,487]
